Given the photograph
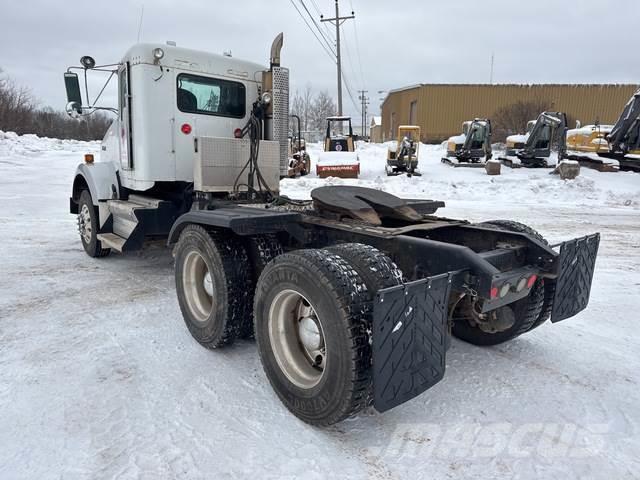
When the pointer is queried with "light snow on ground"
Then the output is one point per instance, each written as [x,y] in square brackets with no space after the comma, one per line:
[99,378]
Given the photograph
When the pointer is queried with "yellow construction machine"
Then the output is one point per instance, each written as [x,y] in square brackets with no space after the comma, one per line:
[593,144]
[402,155]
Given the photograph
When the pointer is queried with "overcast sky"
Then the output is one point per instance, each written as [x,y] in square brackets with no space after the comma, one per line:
[398,43]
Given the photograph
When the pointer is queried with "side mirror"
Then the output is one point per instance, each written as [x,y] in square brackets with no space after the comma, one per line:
[74,99]
[73,109]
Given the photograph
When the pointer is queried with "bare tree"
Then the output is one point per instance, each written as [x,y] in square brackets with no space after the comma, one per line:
[513,118]
[19,112]
[301,105]
[322,107]
[16,106]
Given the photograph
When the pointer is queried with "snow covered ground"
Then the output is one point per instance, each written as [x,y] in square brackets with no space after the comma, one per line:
[99,378]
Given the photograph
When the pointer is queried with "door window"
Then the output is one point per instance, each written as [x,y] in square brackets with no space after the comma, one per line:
[211,96]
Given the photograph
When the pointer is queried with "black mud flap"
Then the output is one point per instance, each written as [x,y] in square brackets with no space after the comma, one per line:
[409,339]
[576,263]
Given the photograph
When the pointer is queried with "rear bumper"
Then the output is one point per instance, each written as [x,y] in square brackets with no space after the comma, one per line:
[410,321]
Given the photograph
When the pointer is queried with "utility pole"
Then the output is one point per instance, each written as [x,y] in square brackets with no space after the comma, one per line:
[364,101]
[337,21]
[491,74]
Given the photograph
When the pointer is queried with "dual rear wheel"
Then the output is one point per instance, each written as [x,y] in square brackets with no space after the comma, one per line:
[311,314]
[311,311]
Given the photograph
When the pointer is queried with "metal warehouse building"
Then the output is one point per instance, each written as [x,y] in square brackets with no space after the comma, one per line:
[440,109]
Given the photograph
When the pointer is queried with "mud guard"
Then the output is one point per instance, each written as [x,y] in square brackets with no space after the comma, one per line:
[409,339]
[576,262]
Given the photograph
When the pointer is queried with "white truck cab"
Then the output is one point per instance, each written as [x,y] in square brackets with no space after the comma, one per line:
[185,123]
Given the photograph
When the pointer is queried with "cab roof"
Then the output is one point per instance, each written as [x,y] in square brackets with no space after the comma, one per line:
[194,61]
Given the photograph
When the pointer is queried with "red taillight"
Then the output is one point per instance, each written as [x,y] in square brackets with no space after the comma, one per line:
[531,281]
[237,133]
[494,292]
[185,128]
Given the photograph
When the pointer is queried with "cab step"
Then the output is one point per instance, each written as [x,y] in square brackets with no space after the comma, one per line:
[113,241]
[131,220]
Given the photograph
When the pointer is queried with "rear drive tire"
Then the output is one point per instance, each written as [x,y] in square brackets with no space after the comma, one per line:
[311,333]
[523,313]
[261,250]
[375,268]
[548,285]
[88,225]
[213,284]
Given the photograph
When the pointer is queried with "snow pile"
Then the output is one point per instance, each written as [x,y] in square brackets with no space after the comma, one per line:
[458,139]
[327,159]
[442,182]
[518,138]
[589,129]
[14,145]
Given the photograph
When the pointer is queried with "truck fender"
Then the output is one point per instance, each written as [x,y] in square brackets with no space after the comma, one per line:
[100,179]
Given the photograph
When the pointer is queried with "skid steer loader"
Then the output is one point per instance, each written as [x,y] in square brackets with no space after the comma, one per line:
[474,144]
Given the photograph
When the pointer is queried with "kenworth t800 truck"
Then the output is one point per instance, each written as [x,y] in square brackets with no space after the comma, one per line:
[353,296]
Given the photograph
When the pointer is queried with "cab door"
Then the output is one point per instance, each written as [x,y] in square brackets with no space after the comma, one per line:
[125,137]
[206,106]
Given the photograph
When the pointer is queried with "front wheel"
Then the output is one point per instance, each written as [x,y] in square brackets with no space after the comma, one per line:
[310,327]
[88,225]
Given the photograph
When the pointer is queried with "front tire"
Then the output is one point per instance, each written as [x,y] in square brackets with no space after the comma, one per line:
[213,284]
[88,225]
[310,327]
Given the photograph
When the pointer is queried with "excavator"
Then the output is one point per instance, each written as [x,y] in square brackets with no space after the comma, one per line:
[624,139]
[467,149]
[586,143]
[534,149]
[592,145]
[402,155]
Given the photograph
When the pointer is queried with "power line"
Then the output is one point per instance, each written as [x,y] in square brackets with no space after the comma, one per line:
[322,34]
[355,31]
[347,83]
[331,54]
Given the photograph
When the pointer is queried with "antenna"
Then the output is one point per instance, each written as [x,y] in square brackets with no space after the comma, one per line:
[491,74]
[140,24]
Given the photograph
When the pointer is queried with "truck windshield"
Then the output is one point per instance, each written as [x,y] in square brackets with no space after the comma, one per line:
[211,96]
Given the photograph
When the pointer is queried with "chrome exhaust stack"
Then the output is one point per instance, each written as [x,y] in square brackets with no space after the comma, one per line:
[276,82]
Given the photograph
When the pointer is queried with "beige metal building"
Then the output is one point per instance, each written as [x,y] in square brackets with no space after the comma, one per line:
[375,129]
[440,109]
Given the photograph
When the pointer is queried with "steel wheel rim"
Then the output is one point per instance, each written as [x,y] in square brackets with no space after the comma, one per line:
[198,286]
[84,223]
[297,339]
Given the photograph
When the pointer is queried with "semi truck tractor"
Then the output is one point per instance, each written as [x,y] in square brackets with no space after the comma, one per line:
[352,297]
